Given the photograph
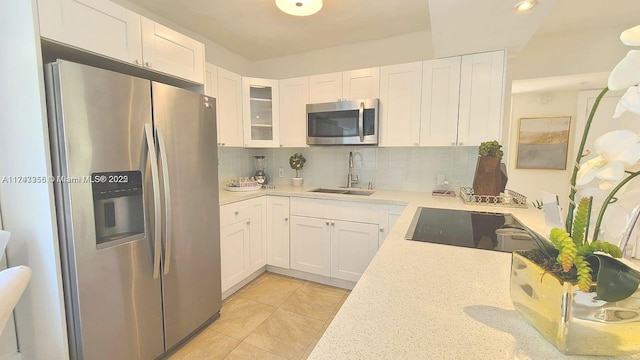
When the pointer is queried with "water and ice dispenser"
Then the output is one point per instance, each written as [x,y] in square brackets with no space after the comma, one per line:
[117,207]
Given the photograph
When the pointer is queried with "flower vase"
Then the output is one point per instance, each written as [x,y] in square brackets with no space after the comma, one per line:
[575,322]
[296,181]
[490,177]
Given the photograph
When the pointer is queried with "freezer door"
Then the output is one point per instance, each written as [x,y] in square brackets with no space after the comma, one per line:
[186,136]
[97,120]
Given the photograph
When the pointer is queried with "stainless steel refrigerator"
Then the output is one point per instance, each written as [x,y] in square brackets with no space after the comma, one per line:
[136,189]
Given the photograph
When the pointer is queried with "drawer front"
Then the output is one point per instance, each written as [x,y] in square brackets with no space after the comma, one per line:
[234,212]
[352,211]
[308,207]
[335,209]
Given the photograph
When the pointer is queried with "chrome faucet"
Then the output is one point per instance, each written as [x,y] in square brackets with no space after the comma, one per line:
[350,180]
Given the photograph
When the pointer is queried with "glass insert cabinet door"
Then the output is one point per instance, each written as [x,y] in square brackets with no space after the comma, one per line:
[260,112]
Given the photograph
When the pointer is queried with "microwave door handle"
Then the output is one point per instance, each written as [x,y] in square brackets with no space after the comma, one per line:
[155,180]
[361,121]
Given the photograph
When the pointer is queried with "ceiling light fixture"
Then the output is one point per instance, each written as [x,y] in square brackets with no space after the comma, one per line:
[525,5]
[299,7]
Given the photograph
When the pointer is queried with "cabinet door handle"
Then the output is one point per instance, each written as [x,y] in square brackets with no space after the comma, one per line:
[461,144]
[137,62]
[333,224]
[248,222]
[327,223]
[381,230]
[148,64]
[453,144]
[286,219]
[237,212]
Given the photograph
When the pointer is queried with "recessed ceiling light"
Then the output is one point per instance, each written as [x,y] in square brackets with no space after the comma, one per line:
[299,7]
[525,5]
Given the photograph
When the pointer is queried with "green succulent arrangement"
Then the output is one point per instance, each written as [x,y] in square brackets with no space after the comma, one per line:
[572,257]
[490,148]
[296,161]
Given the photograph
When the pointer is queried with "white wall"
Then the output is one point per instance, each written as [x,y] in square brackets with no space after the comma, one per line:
[584,52]
[28,209]
[394,50]
[8,339]
[530,182]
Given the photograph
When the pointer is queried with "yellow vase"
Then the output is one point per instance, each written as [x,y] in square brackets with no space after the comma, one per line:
[574,321]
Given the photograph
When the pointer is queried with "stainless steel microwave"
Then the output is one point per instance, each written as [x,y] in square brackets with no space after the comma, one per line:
[349,122]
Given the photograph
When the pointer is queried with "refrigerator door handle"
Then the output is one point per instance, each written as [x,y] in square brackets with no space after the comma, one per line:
[167,201]
[155,180]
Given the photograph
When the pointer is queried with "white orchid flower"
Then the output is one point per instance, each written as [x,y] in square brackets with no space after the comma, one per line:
[626,73]
[629,101]
[631,37]
[616,151]
[615,220]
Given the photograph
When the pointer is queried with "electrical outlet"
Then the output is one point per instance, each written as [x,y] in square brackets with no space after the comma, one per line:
[440,179]
[280,172]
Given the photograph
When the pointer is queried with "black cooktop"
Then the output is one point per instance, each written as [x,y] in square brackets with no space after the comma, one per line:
[471,229]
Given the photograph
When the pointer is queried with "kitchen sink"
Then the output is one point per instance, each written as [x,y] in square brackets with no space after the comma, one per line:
[344,191]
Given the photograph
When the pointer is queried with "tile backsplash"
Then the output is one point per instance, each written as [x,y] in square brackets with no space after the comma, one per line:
[411,168]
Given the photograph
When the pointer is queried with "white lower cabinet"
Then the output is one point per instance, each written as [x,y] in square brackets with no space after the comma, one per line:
[242,240]
[257,254]
[278,231]
[332,238]
[389,215]
[234,239]
[311,245]
[353,245]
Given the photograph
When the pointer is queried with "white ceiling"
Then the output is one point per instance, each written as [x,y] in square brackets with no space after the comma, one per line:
[471,26]
[257,30]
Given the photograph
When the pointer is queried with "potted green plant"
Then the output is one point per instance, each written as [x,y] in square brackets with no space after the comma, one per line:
[491,175]
[297,161]
[573,288]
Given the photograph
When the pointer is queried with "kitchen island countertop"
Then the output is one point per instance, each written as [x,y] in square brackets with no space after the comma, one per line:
[421,300]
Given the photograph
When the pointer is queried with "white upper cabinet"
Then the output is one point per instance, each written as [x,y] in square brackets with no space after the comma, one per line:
[325,88]
[171,52]
[481,98]
[211,89]
[347,85]
[261,104]
[294,97]
[108,29]
[211,80]
[400,104]
[361,84]
[440,99]
[462,99]
[229,105]
[97,26]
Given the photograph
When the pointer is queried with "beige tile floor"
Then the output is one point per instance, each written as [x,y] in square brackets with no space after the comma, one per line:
[273,317]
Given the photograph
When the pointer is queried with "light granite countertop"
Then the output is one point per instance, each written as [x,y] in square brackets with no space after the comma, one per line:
[421,300]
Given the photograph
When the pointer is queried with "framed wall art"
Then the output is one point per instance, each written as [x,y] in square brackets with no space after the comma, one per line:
[543,143]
